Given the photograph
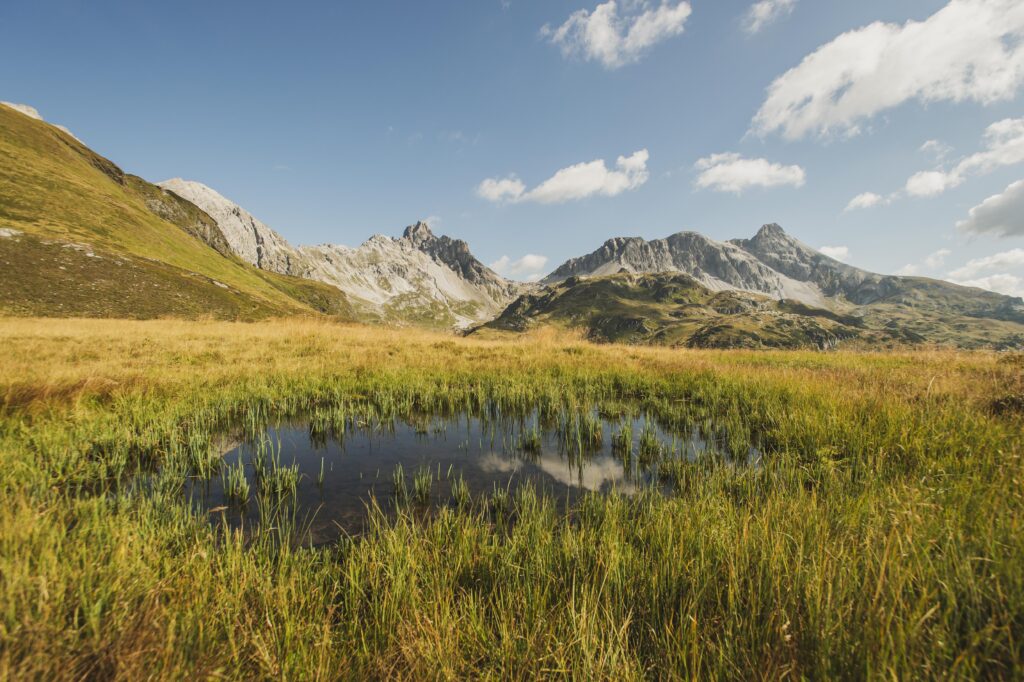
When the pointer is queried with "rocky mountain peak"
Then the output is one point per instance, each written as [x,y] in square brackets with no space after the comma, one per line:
[771,236]
[418,233]
[771,230]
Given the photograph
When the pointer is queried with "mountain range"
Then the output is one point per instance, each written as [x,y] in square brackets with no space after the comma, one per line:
[417,278]
[79,237]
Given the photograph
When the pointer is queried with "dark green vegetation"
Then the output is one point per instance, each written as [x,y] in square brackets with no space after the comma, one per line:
[882,536]
[676,310]
[83,238]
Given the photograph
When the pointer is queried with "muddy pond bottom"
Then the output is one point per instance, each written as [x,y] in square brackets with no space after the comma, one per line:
[325,483]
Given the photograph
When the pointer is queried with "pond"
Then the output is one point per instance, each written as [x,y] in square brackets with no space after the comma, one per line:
[429,462]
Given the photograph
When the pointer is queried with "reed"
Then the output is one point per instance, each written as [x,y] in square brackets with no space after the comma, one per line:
[236,484]
[878,537]
[422,484]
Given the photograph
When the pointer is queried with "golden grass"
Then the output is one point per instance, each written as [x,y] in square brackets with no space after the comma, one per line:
[882,537]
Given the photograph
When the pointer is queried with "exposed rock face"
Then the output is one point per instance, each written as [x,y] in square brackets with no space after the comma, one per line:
[677,310]
[249,239]
[418,278]
[456,255]
[716,265]
[32,112]
[791,257]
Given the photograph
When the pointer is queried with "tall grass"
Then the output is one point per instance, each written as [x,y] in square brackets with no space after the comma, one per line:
[881,535]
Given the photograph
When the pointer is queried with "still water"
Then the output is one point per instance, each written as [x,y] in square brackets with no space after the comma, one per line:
[338,476]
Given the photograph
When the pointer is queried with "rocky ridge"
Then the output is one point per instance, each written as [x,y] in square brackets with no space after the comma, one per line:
[417,278]
[718,266]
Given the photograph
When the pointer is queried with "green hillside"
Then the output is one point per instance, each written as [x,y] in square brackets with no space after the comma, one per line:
[676,310]
[79,237]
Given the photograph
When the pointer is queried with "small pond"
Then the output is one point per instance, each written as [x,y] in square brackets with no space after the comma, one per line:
[430,462]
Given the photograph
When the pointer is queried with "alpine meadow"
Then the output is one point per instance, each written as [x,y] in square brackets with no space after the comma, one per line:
[573,442]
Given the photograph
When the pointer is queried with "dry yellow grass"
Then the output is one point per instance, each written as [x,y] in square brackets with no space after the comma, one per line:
[883,535]
[64,358]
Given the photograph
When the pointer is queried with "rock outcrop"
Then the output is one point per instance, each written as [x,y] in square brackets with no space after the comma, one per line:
[418,278]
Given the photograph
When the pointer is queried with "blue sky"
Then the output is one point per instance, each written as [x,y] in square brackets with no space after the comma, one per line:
[332,121]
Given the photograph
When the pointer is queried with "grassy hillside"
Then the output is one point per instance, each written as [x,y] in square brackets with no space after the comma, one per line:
[881,537]
[676,310]
[84,238]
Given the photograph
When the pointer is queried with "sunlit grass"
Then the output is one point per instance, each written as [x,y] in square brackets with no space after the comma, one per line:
[881,534]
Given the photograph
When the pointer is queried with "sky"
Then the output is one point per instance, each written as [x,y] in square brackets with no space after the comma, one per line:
[888,134]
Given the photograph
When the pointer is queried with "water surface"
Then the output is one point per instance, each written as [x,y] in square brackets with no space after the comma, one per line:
[339,475]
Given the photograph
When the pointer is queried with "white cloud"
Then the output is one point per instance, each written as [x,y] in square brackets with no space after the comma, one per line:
[908,270]
[1001,214]
[507,189]
[930,183]
[1004,283]
[731,172]
[840,253]
[1014,258]
[936,260]
[1004,146]
[765,12]
[865,200]
[530,267]
[605,36]
[579,181]
[969,50]
[940,150]
[931,262]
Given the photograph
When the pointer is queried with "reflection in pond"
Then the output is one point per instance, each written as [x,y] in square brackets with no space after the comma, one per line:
[332,474]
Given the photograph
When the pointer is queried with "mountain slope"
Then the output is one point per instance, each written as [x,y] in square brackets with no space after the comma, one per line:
[416,279]
[717,265]
[845,283]
[84,238]
[776,264]
[675,309]
[247,237]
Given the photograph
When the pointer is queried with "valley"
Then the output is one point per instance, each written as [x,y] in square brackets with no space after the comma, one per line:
[80,237]
[227,456]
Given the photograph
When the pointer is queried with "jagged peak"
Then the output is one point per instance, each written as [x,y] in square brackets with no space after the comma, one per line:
[418,233]
[771,230]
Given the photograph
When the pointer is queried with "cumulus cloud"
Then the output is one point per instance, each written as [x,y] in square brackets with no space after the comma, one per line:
[1004,283]
[1001,215]
[579,181]
[930,183]
[940,150]
[931,263]
[613,39]
[865,200]
[1003,146]
[936,260]
[731,172]
[530,267]
[970,50]
[840,253]
[1014,258]
[765,12]
[909,270]
[506,189]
